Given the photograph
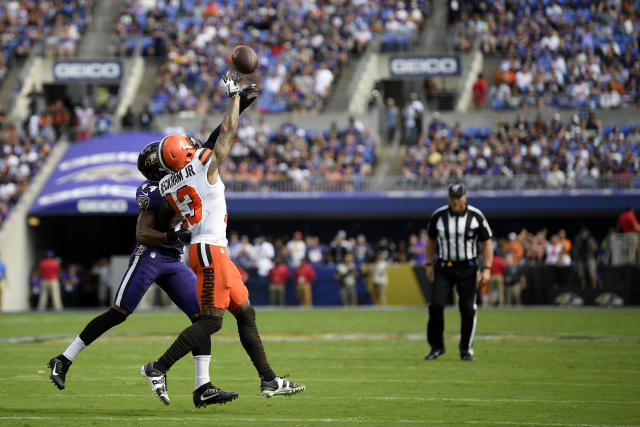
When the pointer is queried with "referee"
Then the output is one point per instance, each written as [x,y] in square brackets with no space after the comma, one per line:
[455,229]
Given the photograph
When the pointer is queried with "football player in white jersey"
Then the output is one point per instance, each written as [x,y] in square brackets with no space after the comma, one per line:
[196,192]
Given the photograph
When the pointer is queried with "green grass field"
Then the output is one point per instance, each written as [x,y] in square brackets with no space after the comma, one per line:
[534,367]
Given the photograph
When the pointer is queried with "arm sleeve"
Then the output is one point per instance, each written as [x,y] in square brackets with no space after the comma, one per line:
[484,232]
[213,137]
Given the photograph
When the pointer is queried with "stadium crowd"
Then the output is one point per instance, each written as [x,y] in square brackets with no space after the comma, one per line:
[21,157]
[364,260]
[555,53]
[581,153]
[301,45]
[24,23]
[262,157]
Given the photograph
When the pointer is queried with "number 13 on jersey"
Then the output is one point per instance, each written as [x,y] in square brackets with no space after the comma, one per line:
[188,204]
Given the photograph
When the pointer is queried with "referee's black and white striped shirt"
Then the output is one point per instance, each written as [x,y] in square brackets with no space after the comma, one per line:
[457,235]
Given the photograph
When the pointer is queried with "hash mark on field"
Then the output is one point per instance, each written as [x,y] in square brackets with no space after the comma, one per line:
[311,420]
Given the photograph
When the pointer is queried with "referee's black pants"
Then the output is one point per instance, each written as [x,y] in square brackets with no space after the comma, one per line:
[464,277]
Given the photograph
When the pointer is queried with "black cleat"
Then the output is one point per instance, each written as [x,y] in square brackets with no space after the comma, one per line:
[467,357]
[208,394]
[158,381]
[280,385]
[435,353]
[59,366]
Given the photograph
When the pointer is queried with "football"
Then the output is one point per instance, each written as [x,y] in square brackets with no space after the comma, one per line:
[245,59]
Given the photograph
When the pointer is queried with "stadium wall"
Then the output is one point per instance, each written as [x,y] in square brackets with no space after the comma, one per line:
[17,241]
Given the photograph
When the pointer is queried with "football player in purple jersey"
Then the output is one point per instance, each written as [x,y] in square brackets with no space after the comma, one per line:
[157,258]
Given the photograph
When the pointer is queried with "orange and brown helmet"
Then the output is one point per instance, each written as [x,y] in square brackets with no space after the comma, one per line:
[176,151]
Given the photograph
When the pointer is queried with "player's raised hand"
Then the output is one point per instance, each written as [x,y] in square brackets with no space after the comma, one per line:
[248,94]
[229,81]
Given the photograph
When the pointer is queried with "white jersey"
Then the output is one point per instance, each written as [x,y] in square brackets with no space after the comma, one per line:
[201,205]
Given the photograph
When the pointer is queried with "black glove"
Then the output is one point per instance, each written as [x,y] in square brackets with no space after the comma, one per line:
[248,94]
[182,236]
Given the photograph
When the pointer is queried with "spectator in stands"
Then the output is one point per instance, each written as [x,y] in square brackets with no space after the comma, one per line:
[565,252]
[338,248]
[496,282]
[103,122]
[409,120]
[101,274]
[71,278]
[304,276]
[297,249]
[480,89]
[278,277]
[629,226]
[391,114]
[145,118]
[418,247]
[514,280]
[586,251]
[418,113]
[514,246]
[380,279]
[128,120]
[85,117]
[263,255]
[49,271]
[361,250]
[316,251]
[346,275]
[604,252]
[244,252]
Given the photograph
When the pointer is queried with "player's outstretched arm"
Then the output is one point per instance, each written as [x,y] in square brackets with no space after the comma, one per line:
[228,127]
[248,94]
[147,234]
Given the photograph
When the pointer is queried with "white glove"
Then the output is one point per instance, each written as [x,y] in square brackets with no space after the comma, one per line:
[229,81]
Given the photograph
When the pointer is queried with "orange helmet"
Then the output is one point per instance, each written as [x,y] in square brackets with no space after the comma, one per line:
[176,151]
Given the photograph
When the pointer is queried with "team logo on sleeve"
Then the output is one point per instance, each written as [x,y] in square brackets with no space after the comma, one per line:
[143,202]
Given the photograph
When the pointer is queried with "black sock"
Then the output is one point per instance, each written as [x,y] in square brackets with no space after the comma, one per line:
[101,324]
[188,340]
[250,339]
[204,348]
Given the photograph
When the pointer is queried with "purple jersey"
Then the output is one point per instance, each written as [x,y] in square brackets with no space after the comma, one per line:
[149,199]
[161,264]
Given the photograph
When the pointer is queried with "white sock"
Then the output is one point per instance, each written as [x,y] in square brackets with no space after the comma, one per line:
[202,369]
[76,347]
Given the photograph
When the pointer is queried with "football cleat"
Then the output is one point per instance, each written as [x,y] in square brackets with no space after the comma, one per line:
[208,394]
[158,381]
[280,385]
[59,366]
[467,357]
[434,354]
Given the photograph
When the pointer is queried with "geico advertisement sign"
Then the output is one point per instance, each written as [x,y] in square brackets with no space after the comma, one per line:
[98,205]
[87,70]
[425,66]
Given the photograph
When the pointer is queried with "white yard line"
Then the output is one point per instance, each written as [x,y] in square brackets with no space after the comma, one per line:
[306,420]
[338,337]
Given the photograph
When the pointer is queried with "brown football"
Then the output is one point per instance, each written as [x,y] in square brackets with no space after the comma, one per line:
[245,59]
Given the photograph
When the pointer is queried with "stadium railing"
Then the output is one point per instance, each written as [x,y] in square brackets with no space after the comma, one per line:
[400,183]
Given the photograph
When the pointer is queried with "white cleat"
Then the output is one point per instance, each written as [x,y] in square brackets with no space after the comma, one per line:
[158,381]
[280,385]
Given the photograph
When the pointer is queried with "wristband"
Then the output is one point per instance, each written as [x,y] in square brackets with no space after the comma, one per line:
[164,236]
[486,268]
[428,264]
